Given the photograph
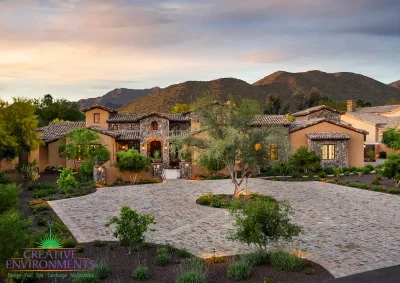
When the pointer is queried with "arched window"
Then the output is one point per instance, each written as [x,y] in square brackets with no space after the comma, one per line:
[154,126]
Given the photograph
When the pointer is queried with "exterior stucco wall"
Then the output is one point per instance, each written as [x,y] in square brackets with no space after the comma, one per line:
[371,129]
[355,144]
[54,157]
[103,118]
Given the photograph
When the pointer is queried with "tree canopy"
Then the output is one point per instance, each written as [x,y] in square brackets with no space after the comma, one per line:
[133,162]
[273,105]
[391,138]
[303,101]
[49,109]
[231,137]
[179,108]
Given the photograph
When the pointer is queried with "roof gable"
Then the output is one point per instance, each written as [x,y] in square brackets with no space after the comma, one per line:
[310,110]
[96,106]
[57,130]
[296,126]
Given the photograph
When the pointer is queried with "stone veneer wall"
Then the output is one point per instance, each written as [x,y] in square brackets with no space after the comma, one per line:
[147,134]
[341,152]
[324,113]
[125,126]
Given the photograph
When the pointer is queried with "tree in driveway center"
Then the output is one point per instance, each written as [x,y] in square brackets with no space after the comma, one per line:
[133,162]
[227,134]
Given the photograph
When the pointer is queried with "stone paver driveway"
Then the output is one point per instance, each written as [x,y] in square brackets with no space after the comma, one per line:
[346,230]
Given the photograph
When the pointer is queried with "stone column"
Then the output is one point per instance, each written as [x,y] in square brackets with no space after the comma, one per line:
[99,175]
[158,170]
[185,170]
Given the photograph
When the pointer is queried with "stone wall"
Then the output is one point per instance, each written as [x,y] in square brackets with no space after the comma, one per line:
[185,170]
[341,152]
[158,170]
[99,175]
[125,126]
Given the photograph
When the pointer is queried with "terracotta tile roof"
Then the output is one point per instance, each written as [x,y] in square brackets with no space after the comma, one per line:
[298,125]
[56,130]
[128,135]
[270,120]
[315,109]
[327,136]
[104,131]
[122,135]
[111,110]
[131,118]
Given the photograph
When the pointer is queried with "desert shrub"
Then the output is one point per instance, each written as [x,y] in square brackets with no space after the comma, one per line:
[346,173]
[256,258]
[394,191]
[363,186]
[378,189]
[283,167]
[310,175]
[80,249]
[183,253]
[337,172]
[286,261]
[27,171]
[69,243]
[66,181]
[205,199]
[162,259]
[296,174]
[262,222]
[329,171]
[196,264]
[102,271]
[86,170]
[9,197]
[99,243]
[131,226]
[41,186]
[305,159]
[370,166]
[4,178]
[366,170]
[191,277]
[162,251]
[377,180]
[353,169]
[141,273]
[322,175]
[382,154]
[239,270]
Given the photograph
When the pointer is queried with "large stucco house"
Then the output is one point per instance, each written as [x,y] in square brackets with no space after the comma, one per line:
[318,128]
[375,120]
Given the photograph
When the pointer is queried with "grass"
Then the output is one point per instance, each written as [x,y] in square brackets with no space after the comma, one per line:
[239,270]
[286,261]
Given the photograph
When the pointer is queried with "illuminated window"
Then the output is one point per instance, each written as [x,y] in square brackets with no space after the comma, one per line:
[96,117]
[328,151]
[272,151]
[115,127]
[154,126]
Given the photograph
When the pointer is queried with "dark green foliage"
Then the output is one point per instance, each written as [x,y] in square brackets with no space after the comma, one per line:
[99,243]
[394,191]
[80,249]
[133,162]
[346,173]
[148,181]
[42,189]
[211,164]
[285,261]
[183,253]
[27,170]
[256,258]
[296,174]
[306,159]
[146,245]
[162,251]
[329,171]
[86,170]
[197,264]
[283,168]
[322,175]
[309,271]
[391,138]
[378,188]
[41,222]
[263,222]
[366,170]
[162,259]
[131,226]
[102,271]
[9,197]
[239,270]
[382,154]
[391,167]
[191,277]
[41,207]
[310,175]
[4,178]
[141,273]
[69,243]
[66,181]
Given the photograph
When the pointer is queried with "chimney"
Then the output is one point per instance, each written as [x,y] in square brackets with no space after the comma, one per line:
[351,105]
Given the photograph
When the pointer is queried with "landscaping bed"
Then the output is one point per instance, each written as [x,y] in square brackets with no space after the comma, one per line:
[226,200]
[122,264]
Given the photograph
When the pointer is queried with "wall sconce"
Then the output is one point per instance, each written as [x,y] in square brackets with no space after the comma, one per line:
[158,166]
[187,164]
[143,147]
[165,147]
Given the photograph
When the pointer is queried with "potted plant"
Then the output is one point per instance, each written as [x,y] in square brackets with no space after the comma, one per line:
[156,157]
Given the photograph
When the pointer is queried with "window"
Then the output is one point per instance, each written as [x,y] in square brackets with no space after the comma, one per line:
[96,117]
[154,126]
[115,127]
[328,151]
[272,151]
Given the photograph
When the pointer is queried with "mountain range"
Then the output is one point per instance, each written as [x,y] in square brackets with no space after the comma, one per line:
[337,86]
[395,84]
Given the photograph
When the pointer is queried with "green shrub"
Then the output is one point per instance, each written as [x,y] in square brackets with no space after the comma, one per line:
[146,245]
[42,207]
[183,253]
[309,271]
[111,247]
[353,169]
[346,173]
[80,249]
[283,168]
[27,171]
[394,191]
[162,251]
[337,172]
[86,170]
[256,258]
[285,261]
[239,270]
[99,243]
[205,199]
[370,166]
[366,170]
[378,189]
[382,154]
[69,243]
[191,277]
[329,171]
[4,179]
[102,271]
[305,159]
[141,273]
[322,175]
[67,182]
[41,222]
[310,175]
[296,174]
[377,180]
[196,264]
[148,181]
[9,197]
[162,259]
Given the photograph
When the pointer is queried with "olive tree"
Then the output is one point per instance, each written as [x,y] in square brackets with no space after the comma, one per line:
[391,138]
[133,162]
[232,138]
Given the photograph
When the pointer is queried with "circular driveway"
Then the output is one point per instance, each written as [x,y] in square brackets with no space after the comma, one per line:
[346,230]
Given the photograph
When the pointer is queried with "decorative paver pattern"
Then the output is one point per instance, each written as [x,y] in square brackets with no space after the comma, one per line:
[346,230]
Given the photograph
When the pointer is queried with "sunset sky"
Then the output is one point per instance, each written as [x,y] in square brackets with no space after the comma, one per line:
[85,48]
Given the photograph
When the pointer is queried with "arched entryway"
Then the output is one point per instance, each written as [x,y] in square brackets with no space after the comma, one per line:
[154,146]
